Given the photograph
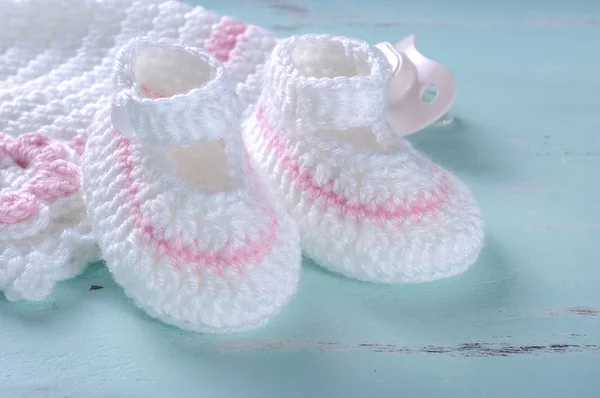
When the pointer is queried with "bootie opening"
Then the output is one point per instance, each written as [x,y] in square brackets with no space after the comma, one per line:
[328,59]
[331,59]
[164,72]
[182,104]
[333,87]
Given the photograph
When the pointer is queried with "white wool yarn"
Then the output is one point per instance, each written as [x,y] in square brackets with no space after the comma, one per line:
[368,205]
[53,79]
[204,253]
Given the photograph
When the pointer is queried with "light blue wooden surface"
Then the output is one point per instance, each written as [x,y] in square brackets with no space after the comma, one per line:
[524,322]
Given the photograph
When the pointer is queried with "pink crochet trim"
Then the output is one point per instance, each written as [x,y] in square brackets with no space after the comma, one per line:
[78,143]
[326,197]
[253,252]
[149,93]
[224,38]
[52,176]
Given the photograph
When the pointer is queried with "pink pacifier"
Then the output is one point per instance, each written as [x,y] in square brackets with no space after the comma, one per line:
[421,91]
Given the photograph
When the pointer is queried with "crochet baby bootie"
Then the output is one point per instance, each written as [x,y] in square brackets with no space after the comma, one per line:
[368,205]
[185,225]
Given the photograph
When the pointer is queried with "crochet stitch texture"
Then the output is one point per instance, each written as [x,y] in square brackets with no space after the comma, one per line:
[53,80]
[368,205]
[185,225]
[42,217]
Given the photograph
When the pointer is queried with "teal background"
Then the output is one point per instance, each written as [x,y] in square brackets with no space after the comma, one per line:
[523,322]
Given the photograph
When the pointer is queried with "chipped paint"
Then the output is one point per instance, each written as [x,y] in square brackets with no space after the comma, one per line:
[566,228]
[287,28]
[288,8]
[465,350]
[402,24]
[584,311]
[555,22]
[415,25]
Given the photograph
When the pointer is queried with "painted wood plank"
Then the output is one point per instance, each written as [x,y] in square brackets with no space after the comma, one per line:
[525,321]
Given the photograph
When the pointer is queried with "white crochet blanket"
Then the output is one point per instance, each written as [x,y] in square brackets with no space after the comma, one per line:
[56,60]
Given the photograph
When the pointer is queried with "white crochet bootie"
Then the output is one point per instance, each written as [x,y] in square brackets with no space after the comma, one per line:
[368,205]
[185,225]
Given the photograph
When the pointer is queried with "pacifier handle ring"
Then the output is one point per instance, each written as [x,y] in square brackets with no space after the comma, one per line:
[430,73]
[420,114]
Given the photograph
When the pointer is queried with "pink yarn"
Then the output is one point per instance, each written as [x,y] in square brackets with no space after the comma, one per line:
[28,149]
[149,92]
[252,252]
[52,178]
[17,206]
[57,179]
[325,196]
[224,38]
[78,144]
